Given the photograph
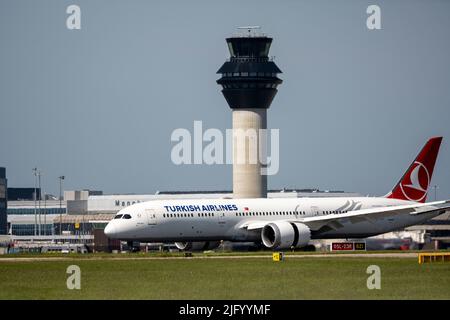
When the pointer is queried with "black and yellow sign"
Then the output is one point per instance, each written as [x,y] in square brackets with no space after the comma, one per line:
[277,256]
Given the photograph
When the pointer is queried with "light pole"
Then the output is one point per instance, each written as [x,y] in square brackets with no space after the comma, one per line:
[435,192]
[44,231]
[39,202]
[35,197]
[61,178]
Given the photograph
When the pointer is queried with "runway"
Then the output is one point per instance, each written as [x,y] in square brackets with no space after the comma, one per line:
[407,255]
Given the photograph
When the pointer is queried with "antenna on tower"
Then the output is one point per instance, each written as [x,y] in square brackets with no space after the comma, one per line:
[250,28]
[252,31]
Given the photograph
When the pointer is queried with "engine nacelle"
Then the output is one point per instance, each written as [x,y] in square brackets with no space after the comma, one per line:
[197,246]
[284,235]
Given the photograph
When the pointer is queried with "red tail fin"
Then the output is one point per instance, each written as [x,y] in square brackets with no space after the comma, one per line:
[416,180]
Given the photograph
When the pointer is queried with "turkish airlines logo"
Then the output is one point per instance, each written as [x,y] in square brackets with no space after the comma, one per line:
[415,187]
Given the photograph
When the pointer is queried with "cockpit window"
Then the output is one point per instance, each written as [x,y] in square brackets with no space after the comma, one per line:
[126,216]
[118,216]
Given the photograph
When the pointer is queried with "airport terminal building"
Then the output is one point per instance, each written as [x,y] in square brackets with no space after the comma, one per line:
[82,216]
[82,211]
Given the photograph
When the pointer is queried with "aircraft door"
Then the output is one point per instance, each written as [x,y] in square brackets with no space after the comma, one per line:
[151,216]
[314,210]
[221,218]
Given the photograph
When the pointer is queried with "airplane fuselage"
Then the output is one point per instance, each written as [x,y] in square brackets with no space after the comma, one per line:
[222,219]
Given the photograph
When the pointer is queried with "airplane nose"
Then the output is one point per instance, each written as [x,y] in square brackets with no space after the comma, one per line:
[110,230]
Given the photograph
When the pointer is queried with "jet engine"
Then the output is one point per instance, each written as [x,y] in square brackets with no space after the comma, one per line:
[284,235]
[197,246]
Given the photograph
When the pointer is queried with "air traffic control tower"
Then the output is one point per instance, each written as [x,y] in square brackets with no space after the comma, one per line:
[249,81]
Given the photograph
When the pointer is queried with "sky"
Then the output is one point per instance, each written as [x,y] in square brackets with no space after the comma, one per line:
[98,105]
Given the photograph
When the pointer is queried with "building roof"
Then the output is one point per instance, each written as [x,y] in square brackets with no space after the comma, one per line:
[83,218]
[31,204]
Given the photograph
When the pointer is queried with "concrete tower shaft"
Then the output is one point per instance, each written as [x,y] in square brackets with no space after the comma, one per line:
[248,182]
[249,84]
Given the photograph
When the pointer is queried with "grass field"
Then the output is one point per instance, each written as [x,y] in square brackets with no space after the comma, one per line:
[230,278]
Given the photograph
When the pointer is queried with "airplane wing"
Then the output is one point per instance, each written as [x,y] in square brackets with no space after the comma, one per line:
[254,225]
[334,221]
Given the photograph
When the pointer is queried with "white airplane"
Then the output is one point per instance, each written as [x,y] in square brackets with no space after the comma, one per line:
[283,223]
